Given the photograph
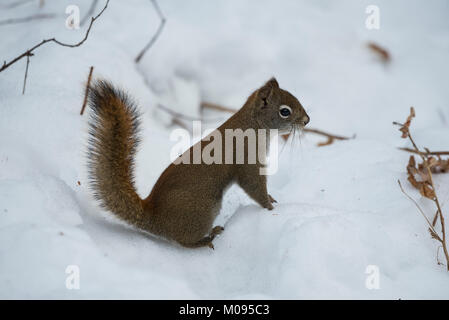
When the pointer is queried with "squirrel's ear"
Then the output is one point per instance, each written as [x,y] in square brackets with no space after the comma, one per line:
[267,90]
[272,83]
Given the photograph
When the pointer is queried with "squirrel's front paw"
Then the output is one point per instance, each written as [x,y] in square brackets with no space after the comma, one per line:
[269,205]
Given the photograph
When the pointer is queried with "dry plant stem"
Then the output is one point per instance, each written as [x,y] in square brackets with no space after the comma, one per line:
[90,12]
[176,115]
[179,116]
[427,153]
[86,92]
[156,35]
[29,52]
[440,214]
[435,219]
[438,256]
[419,208]
[217,107]
[381,52]
[26,75]
[435,199]
[328,135]
[30,18]
[178,122]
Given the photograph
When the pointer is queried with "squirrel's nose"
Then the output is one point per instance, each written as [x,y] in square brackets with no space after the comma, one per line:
[306,119]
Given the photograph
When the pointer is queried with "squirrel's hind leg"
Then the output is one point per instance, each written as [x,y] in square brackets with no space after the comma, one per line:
[207,240]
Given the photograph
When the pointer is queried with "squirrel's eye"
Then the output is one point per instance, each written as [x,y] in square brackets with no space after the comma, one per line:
[285,111]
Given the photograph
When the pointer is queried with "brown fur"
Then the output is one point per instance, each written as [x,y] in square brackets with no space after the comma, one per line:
[187,197]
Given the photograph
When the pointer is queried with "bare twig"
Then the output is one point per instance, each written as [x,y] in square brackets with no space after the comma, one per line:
[405,129]
[39,16]
[179,116]
[435,219]
[29,52]
[26,75]
[382,53]
[438,256]
[419,208]
[89,12]
[156,35]
[443,228]
[217,107]
[427,153]
[86,92]
[178,122]
[330,137]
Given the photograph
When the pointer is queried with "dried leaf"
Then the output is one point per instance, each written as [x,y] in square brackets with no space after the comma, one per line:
[326,143]
[434,235]
[382,53]
[424,184]
[405,127]
[411,170]
[427,191]
[438,165]
[413,181]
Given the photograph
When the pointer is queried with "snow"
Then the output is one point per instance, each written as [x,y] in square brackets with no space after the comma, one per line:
[339,207]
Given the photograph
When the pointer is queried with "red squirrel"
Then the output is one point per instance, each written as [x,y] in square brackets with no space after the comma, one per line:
[186,198]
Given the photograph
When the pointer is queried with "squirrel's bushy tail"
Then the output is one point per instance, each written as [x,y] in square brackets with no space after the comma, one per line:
[113,141]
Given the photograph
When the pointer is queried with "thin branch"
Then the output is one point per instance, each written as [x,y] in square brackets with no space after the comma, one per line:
[419,208]
[180,116]
[381,52]
[217,107]
[178,122]
[26,75]
[39,16]
[28,53]
[156,35]
[435,199]
[437,202]
[89,12]
[438,256]
[405,129]
[435,219]
[427,153]
[86,92]
[328,135]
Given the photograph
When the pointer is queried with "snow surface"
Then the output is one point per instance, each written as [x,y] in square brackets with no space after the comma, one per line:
[339,207]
